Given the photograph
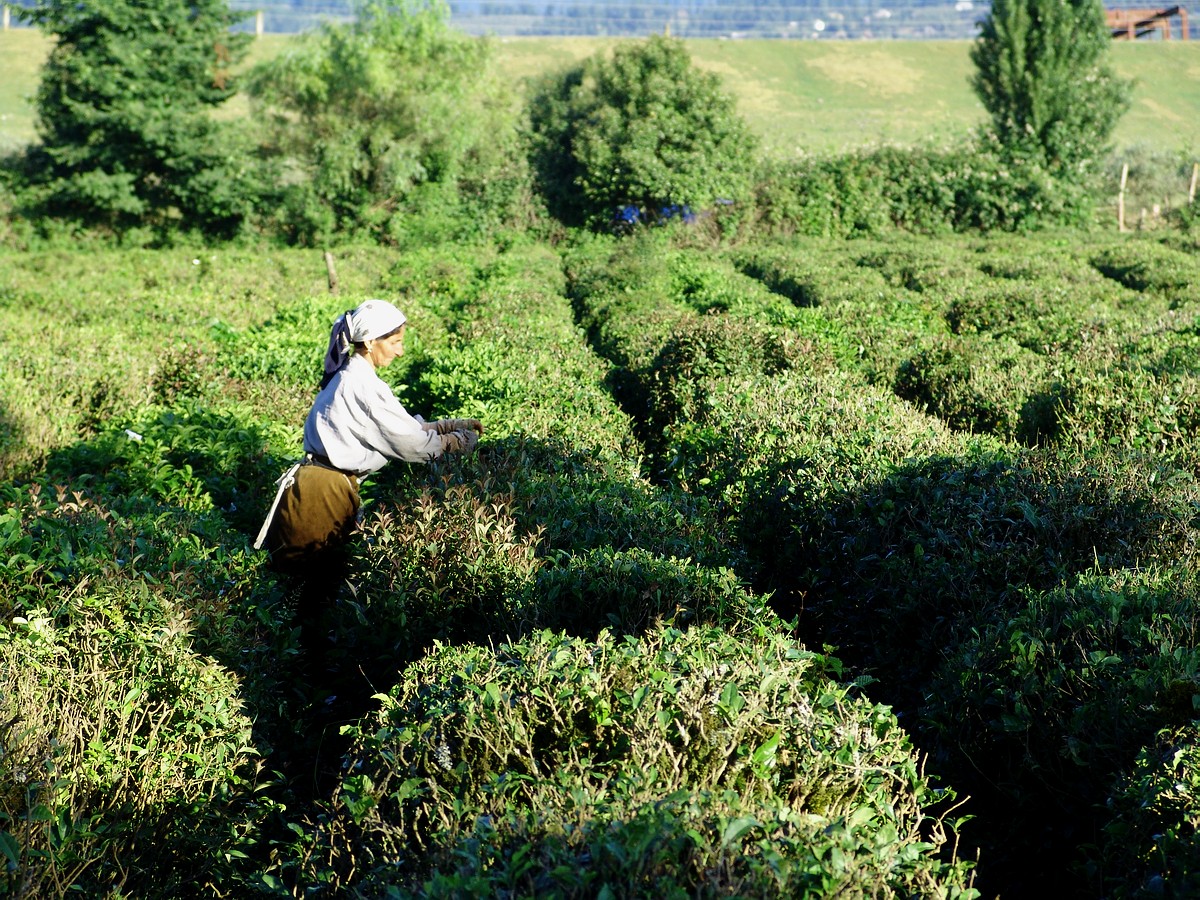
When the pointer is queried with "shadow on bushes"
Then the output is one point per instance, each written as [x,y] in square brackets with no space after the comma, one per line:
[927,579]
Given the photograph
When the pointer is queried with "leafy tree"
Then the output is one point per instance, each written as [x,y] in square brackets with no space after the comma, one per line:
[390,115]
[642,129]
[1043,76]
[125,114]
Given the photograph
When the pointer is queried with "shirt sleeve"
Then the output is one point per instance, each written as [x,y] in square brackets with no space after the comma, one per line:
[396,434]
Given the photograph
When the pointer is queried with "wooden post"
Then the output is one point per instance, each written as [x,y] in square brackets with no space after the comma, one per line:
[331,272]
[1121,198]
[258,23]
[1192,186]
[6,17]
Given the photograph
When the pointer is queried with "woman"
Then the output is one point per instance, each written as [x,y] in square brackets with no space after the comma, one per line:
[356,425]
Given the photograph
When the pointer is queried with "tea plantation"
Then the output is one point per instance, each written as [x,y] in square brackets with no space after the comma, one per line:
[784,569]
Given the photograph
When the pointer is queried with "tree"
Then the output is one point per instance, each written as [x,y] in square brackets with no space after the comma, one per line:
[1043,76]
[643,129]
[124,113]
[386,118]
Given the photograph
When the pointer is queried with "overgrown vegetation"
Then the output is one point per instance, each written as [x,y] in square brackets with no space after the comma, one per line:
[392,124]
[638,137]
[805,553]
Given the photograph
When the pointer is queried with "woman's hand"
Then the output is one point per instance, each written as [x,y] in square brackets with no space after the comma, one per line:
[445,426]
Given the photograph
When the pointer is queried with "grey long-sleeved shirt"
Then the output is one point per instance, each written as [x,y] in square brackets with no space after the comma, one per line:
[358,424]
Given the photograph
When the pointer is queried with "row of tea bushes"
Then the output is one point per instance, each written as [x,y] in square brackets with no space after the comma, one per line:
[148,652]
[1046,343]
[1040,342]
[144,650]
[90,337]
[738,406]
[139,649]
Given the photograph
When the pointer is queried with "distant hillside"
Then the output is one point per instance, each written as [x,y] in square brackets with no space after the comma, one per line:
[797,95]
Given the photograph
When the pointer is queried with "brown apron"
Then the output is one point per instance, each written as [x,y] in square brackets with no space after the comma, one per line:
[316,512]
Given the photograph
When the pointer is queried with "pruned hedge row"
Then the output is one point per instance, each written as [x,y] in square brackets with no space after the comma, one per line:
[1060,448]
[138,650]
[683,763]
[1076,345]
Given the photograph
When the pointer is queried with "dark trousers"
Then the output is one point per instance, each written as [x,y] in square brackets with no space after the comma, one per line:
[307,542]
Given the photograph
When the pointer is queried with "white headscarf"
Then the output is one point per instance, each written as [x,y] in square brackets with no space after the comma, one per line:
[370,321]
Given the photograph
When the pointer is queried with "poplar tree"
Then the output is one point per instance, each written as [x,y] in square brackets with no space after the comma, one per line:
[1043,75]
[124,114]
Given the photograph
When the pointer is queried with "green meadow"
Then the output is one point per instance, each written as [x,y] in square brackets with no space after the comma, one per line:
[798,96]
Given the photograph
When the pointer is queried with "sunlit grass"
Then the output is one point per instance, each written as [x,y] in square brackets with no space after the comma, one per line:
[798,96]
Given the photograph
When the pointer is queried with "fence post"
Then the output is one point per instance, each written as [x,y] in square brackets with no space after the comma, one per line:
[1192,186]
[331,272]
[1121,197]
[5,14]
[258,23]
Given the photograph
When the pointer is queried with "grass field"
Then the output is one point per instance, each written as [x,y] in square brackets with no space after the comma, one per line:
[796,95]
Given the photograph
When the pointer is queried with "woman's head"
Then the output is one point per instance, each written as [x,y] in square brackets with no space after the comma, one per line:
[375,329]
[374,320]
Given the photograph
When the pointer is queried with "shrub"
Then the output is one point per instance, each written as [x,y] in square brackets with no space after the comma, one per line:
[126,759]
[1056,698]
[873,192]
[982,387]
[395,128]
[1149,847]
[634,591]
[686,760]
[1153,268]
[451,566]
[942,545]
[1109,399]
[190,457]
[643,129]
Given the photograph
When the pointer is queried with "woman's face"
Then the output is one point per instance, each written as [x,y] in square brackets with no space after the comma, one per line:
[384,350]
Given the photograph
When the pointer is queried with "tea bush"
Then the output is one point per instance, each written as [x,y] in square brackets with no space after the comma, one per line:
[127,760]
[1152,267]
[632,592]
[865,315]
[688,761]
[984,388]
[1055,700]
[143,327]
[451,565]
[942,543]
